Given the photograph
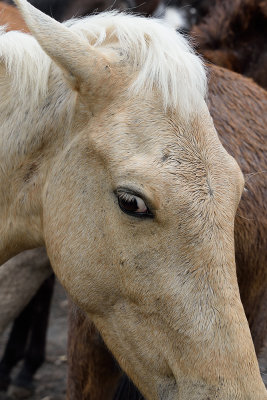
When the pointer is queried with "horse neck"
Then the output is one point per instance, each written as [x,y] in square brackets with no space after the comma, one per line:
[30,134]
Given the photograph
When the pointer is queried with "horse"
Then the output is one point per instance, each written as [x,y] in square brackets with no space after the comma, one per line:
[27,301]
[115,166]
[27,341]
[233,34]
[62,10]
[11,18]
[26,283]
[238,108]
[28,334]
[175,14]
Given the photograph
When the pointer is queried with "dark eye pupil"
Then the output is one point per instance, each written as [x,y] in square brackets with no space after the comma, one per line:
[133,205]
[128,205]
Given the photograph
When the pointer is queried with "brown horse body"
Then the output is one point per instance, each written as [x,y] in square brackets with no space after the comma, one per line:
[233,35]
[10,17]
[239,110]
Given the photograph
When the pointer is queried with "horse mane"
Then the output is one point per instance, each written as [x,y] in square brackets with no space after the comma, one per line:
[26,63]
[161,58]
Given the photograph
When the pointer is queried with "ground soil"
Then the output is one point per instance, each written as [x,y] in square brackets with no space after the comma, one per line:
[50,380]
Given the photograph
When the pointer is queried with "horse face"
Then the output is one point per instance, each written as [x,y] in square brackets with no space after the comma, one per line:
[138,211]
[139,221]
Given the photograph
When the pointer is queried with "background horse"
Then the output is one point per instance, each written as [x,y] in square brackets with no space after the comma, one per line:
[27,340]
[26,290]
[233,34]
[66,9]
[10,17]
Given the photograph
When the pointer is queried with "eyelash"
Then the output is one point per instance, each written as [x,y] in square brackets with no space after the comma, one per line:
[126,196]
[133,198]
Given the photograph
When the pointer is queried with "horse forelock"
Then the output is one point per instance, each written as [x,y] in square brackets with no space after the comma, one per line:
[162,58]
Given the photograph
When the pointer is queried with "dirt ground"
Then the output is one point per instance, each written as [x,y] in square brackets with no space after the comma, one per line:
[50,380]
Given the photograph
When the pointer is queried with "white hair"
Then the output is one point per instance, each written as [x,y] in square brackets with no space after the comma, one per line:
[26,63]
[162,58]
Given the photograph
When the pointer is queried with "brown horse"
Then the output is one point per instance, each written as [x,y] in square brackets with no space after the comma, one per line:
[66,9]
[10,17]
[233,35]
[239,110]
[86,7]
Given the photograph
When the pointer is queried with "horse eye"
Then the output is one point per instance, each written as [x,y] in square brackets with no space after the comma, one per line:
[133,205]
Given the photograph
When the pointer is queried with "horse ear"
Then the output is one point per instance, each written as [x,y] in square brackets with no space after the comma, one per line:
[71,53]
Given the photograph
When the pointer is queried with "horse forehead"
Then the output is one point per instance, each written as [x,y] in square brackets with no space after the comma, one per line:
[149,133]
[145,117]
[153,156]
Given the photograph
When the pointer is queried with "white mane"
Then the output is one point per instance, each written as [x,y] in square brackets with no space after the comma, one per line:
[161,57]
[26,63]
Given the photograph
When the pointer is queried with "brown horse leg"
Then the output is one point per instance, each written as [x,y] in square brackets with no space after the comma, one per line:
[35,350]
[27,341]
[15,347]
[127,391]
[93,374]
